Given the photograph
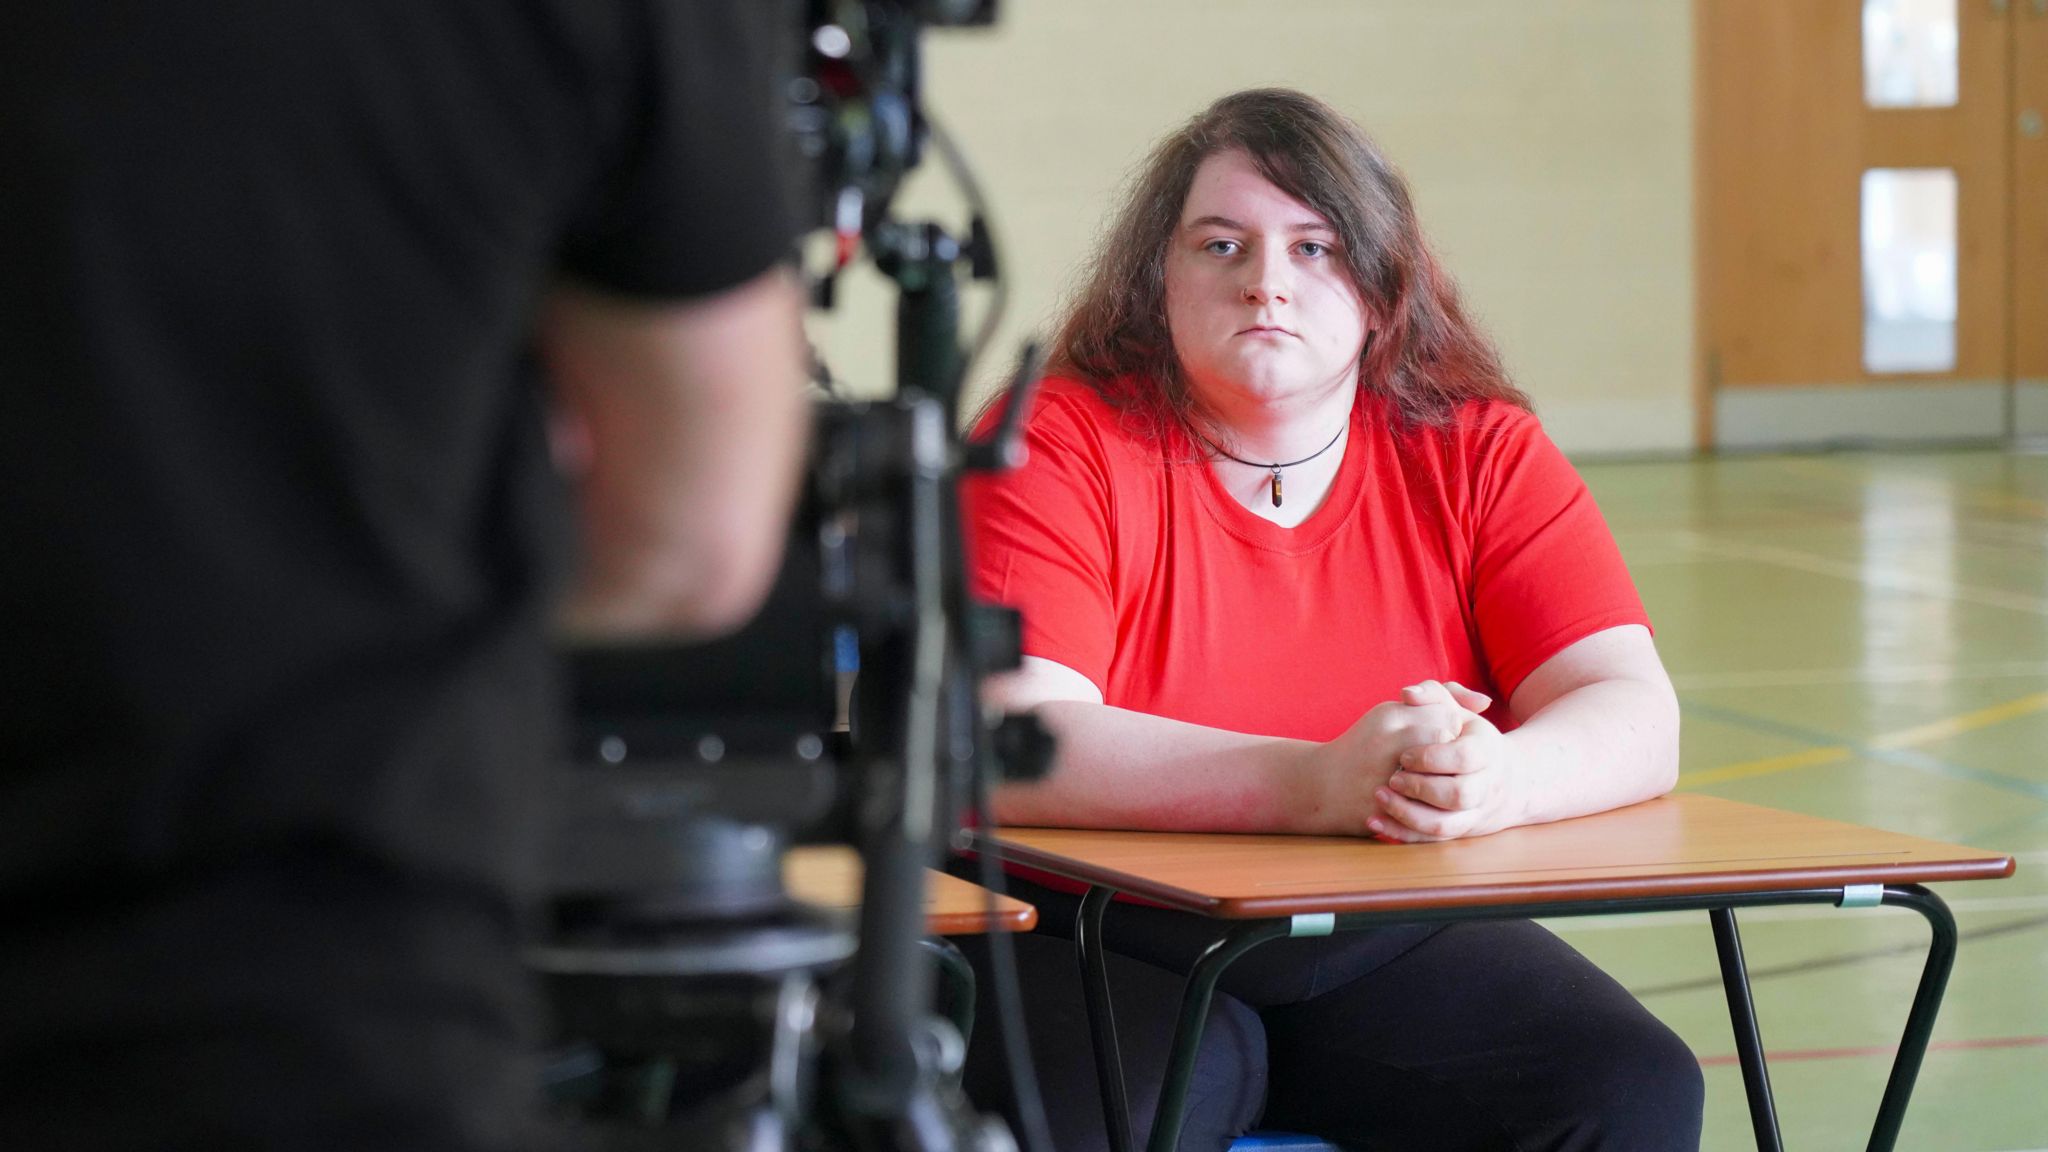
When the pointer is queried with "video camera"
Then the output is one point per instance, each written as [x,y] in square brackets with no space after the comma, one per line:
[695,1003]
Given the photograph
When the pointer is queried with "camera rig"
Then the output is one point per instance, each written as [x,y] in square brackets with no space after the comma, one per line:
[695,1003]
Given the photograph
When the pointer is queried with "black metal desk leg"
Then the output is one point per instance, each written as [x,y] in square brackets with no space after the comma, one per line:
[1194,1016]
[1941,957]
[1109,1064]
[1749,1044]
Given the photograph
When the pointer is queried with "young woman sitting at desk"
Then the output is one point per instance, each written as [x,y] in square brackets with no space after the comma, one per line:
[1294,556]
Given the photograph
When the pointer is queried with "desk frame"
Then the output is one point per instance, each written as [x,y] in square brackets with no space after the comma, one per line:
[1682,853]
[1241,936]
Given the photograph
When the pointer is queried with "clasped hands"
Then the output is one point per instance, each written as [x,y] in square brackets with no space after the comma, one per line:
[1426,767]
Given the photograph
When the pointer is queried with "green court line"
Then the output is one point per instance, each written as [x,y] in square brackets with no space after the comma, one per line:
[1868,750]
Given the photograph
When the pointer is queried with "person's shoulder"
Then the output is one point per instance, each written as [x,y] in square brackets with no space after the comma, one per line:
[1484,420]
[1485,434]
[1478,444]
[1075,398]
[1468,430]
[1064,406]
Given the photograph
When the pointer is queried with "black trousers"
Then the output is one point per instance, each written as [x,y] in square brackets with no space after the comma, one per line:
[1484,1035]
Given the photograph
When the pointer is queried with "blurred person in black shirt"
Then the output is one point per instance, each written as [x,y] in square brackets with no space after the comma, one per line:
[285,290]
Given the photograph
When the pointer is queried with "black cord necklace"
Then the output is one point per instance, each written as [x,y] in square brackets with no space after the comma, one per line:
[1277,467]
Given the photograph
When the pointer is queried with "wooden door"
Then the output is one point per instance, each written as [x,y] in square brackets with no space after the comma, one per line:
[1788,139]
[2030,201]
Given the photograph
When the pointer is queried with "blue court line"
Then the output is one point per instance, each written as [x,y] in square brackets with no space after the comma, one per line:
[1898,757]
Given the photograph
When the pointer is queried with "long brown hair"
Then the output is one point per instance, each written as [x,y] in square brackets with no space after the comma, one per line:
[1424,355]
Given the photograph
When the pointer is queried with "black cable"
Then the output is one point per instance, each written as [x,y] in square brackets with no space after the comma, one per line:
[978,210]
[1037,1134]
[963,177]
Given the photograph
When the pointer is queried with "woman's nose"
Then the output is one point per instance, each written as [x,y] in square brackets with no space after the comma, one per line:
[1267,282]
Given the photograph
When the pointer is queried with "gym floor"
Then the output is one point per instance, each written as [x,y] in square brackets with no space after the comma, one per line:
[1861,636]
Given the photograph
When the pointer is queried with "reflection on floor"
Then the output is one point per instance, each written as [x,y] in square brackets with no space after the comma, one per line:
[1865,637]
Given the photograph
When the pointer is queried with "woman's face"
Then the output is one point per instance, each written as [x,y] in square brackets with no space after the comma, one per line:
[1257,295]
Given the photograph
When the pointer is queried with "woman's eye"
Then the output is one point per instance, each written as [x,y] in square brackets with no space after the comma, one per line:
[1221,247]
[1312,248]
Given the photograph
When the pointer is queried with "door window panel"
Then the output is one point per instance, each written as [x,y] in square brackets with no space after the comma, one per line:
[1909,269]
[1909,53]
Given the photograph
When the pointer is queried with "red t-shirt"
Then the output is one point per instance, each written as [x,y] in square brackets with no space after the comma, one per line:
[1470,553]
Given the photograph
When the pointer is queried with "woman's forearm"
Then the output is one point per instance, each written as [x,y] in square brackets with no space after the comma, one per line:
[1597,747]
[1121,769]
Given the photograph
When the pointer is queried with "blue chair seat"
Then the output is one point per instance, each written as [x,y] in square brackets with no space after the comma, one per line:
[1281,1142]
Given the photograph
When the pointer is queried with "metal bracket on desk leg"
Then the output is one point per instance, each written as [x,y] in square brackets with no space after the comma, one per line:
[1194,1016]
[1941,957]
[1749,1043]
[1109,1064]
[1311,924]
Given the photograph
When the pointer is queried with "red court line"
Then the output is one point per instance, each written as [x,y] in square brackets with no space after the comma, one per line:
[1881,1050]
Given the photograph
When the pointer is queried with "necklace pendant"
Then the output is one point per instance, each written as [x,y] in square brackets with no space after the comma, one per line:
[1276,487]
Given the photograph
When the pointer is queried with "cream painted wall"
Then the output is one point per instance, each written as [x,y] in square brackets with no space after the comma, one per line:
[1548,143]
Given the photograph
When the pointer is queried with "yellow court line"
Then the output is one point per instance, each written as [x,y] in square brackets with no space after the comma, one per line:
[1743,771]
[1904,738]
[1967,722]
[1895,673]
[2010,501]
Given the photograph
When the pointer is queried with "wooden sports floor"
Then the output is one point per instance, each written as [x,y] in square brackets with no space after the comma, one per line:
[1862,636]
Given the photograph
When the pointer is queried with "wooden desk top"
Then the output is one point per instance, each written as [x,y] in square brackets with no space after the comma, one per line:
[829,876]
[1675,845]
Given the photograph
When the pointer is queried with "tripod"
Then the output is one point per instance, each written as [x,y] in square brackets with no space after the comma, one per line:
[693,997]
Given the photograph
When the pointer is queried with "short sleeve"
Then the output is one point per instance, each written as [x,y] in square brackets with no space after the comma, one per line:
[1039,538]
[697,194]
[1546,572]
